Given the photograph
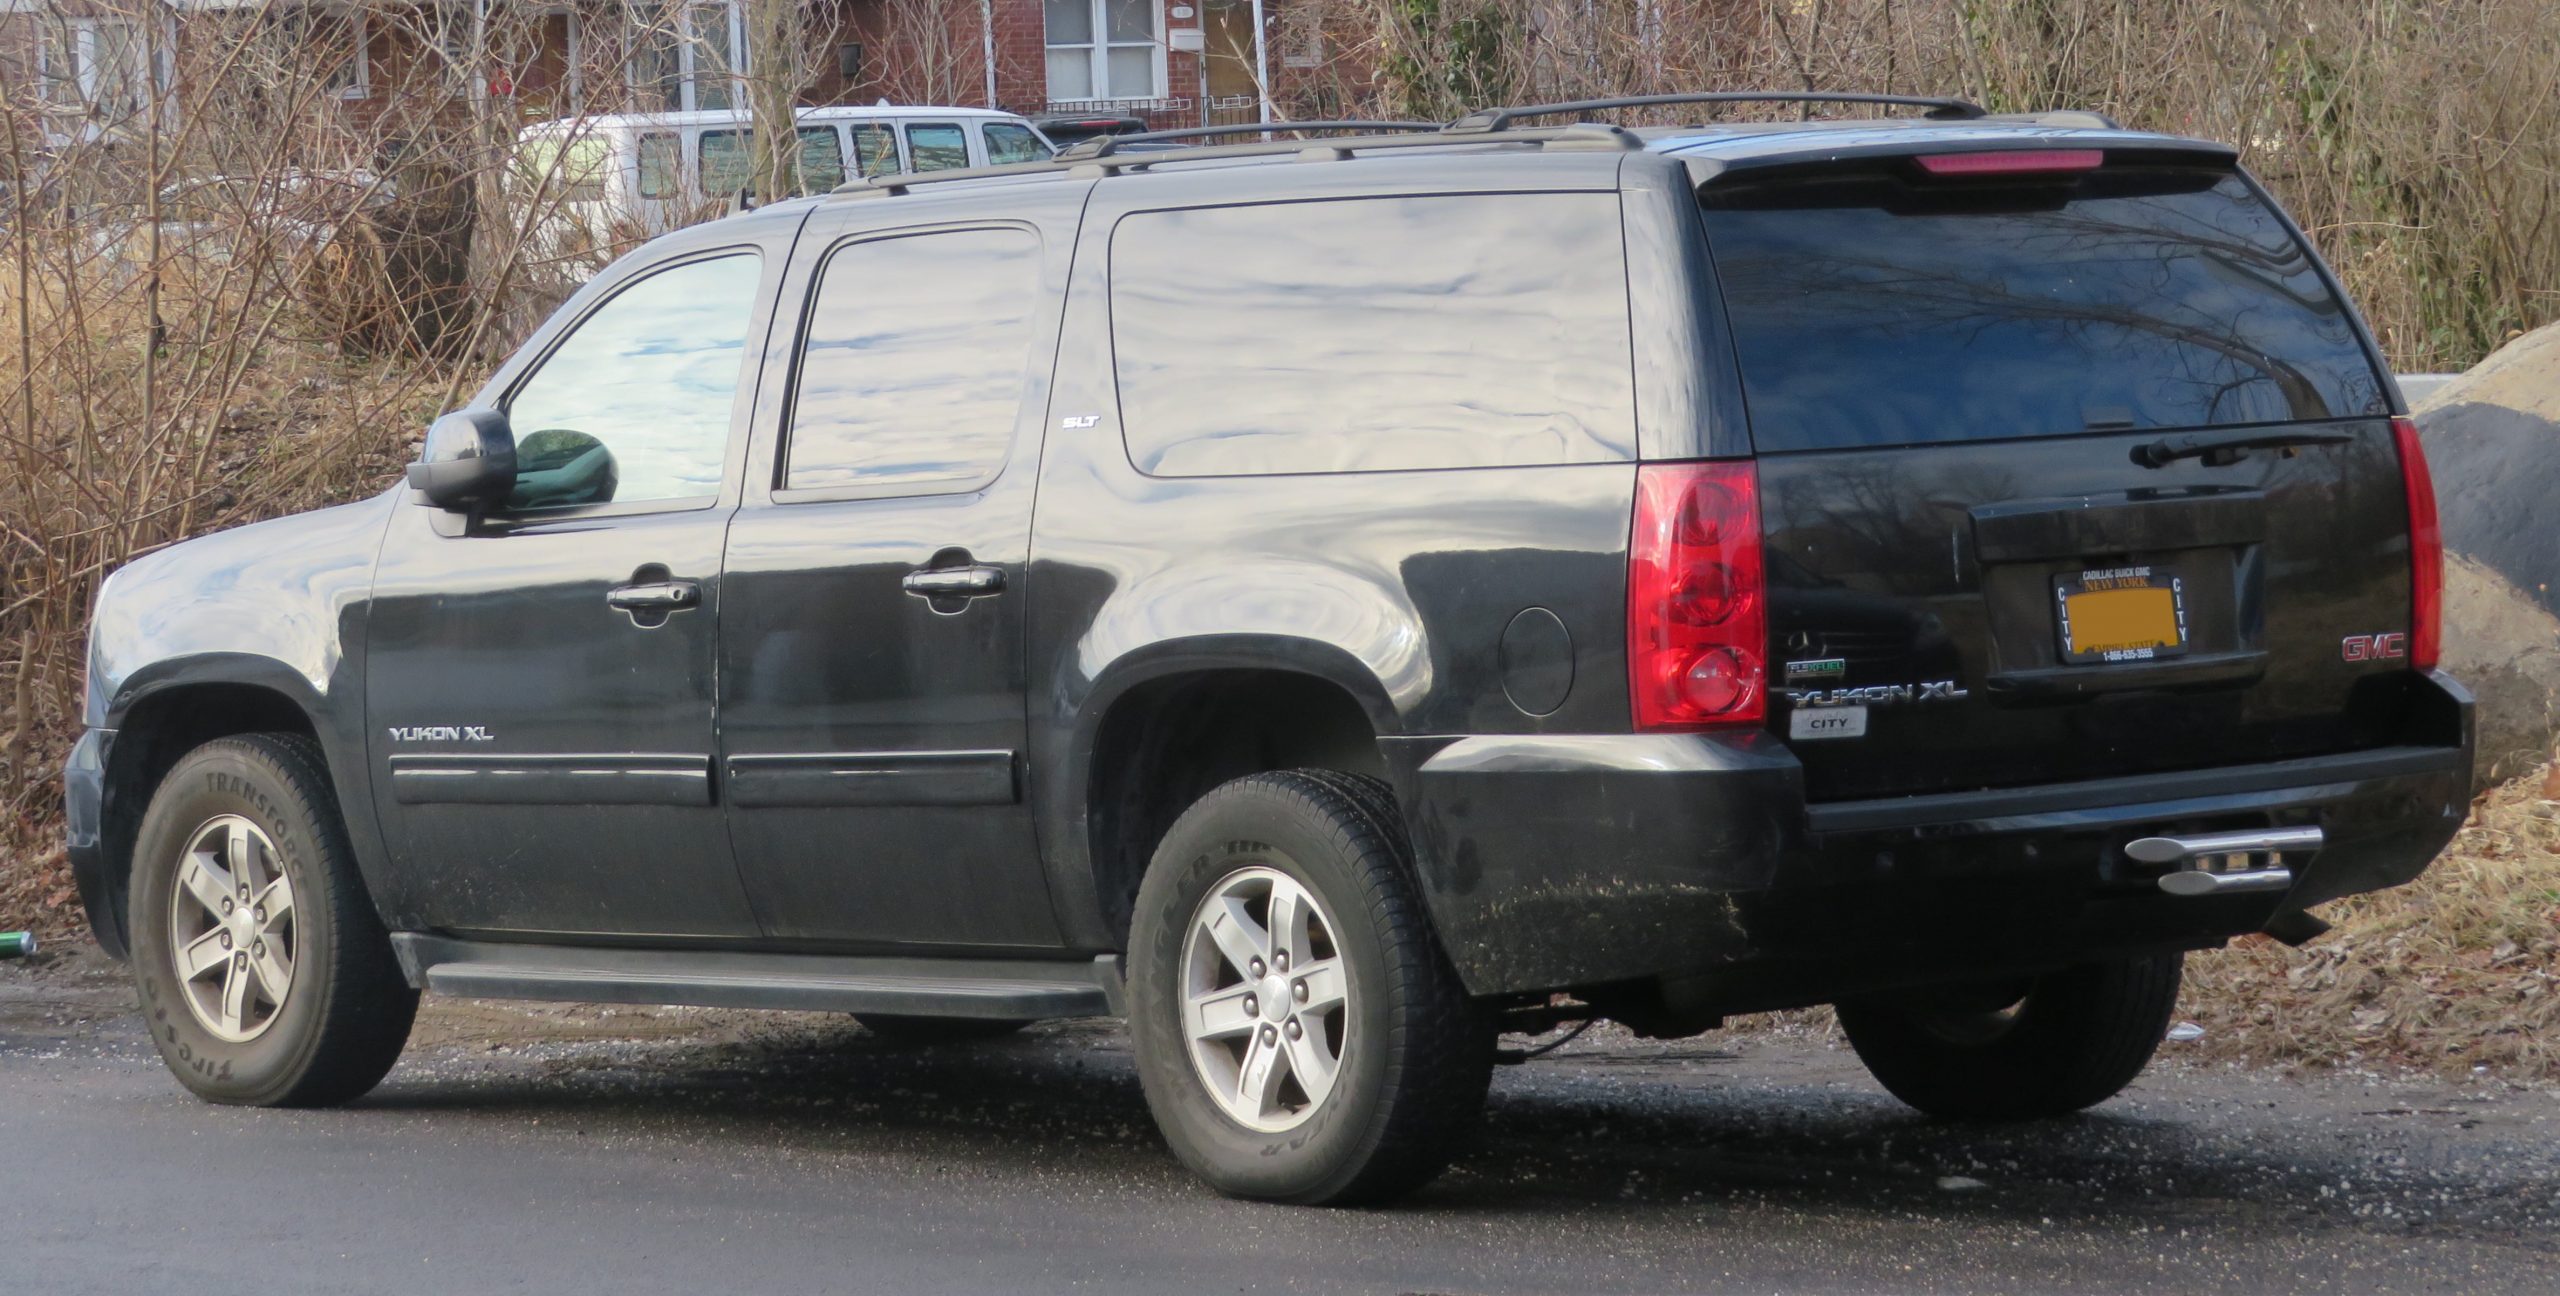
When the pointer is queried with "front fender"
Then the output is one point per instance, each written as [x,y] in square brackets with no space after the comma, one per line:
[277,607]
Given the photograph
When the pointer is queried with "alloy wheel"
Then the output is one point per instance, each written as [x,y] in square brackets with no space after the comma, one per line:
[1265,999]
[232,929]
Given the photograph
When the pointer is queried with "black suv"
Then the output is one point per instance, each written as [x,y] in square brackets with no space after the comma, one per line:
[1332,601]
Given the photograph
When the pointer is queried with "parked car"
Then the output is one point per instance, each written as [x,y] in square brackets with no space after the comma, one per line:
[646,174]
[1069,128]
[1480,579]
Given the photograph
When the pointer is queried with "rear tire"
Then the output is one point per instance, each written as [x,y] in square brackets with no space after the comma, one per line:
[1372,1067]
[937,1030]
[242,869]
[2076,1039]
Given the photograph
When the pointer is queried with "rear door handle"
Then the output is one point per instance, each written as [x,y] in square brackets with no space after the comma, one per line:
[954,582]
[655,596]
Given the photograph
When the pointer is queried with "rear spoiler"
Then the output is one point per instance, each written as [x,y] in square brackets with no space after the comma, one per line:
[1825,153]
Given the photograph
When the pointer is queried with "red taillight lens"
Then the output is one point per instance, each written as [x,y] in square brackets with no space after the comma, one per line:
[2012,162]
[2426,549]
[1697,617]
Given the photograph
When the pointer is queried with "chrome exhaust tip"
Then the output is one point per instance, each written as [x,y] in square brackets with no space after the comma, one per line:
[2225,863]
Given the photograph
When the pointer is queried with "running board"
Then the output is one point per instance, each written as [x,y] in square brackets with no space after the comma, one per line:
[1002,989]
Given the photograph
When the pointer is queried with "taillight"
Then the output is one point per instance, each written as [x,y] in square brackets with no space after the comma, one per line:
[2426,549]
[1697,602]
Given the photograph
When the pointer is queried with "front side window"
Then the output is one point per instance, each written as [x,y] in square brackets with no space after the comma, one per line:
[1008,142]
[938,146]
[1372,334]
[912,370]
[634,405]
[1104,49]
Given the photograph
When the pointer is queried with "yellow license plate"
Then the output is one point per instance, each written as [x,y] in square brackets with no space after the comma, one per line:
[2121,614]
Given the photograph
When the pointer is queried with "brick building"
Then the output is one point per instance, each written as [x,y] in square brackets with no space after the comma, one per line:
[1174,62]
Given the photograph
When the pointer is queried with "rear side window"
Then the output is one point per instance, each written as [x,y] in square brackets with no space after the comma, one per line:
[939,146]
[1872,310]
[727,162]
[913,364]
[660,167]
[875,149]
[574,169]
[1365,335]
[821,159]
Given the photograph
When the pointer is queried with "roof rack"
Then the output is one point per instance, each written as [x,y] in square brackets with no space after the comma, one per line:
[1579,135]
[1105,155]
[1105,145]
[1488,120]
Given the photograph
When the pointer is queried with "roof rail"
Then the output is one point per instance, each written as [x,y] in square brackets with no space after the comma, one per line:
[1106,145]
[1488,120]
[1580,135]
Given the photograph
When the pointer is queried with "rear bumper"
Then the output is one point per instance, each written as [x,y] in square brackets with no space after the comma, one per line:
[1552,862]
[84,787]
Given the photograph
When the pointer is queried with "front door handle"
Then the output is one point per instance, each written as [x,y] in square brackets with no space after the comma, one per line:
[655,596]
[954,582]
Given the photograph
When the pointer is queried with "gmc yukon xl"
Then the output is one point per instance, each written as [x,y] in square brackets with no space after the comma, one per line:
[1333,601]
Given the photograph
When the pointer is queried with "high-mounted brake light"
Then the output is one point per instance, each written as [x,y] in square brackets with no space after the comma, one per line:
[1697,607]
[2012,162]
[2426,549]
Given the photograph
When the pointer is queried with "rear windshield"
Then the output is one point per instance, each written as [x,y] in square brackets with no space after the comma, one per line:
[1868,309]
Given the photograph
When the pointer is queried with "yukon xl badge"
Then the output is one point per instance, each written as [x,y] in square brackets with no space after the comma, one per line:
[440,733]
[1879,694]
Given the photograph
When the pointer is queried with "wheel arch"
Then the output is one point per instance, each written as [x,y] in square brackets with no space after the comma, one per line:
[160,716]
[1162,727]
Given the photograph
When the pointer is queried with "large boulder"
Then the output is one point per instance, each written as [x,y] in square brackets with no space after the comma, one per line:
[2493,439]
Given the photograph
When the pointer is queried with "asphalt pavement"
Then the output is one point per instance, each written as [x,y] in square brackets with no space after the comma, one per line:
[554,1149]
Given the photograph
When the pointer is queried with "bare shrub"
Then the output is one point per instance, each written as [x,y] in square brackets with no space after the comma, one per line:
[227,293]
[2417,140]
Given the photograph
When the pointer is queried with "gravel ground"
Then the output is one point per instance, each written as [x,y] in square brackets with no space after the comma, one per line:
[586,1149]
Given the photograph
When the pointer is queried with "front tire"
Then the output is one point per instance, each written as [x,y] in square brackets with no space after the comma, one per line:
[2074,1039]
[266,978]
[1298,1033]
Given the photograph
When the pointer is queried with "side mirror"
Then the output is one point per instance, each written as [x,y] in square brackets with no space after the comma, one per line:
[469,461]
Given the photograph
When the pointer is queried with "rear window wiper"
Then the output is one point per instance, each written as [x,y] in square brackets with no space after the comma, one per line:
[2227,449]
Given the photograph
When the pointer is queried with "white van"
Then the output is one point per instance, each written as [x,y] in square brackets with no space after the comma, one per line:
[622,178]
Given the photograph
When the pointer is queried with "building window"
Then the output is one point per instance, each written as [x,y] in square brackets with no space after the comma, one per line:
[98,68]
[688,56]
[337,38]
[1105,49]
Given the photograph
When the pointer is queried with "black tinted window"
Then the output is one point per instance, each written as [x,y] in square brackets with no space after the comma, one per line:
[634,404]
[912,370]
[1868,310]
[1373,334]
